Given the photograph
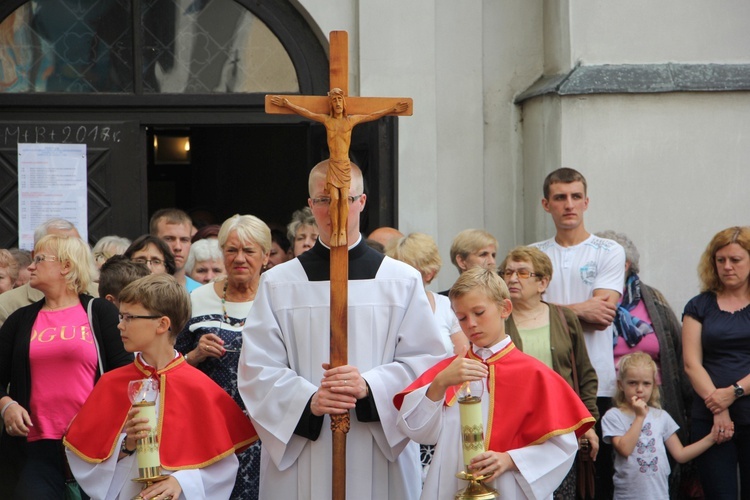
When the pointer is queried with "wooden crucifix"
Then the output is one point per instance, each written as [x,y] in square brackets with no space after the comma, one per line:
[339,113]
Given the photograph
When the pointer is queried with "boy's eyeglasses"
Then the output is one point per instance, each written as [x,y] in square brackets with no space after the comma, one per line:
[127,318]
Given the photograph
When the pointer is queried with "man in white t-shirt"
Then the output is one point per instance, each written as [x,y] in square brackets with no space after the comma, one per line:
[589,273]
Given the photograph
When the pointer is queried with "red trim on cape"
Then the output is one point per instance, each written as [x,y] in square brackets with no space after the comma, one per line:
[199,423]
[530,403]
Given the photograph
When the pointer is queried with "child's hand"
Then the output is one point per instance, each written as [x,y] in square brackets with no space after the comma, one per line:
[491,464]
[639,406]
[723,428]
[163,490]
[135,428]
[461,370]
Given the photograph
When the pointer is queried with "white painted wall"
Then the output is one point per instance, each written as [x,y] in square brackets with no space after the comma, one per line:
[645,32]
[670,170]
[682,157]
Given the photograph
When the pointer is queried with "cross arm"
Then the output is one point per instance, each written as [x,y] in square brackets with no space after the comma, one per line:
[354,105]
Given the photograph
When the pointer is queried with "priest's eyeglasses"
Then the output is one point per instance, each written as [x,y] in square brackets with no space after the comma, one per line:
[127,317]
[325,201]
[522,273]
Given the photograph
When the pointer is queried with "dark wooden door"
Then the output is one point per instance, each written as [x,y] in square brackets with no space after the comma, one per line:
[116,163]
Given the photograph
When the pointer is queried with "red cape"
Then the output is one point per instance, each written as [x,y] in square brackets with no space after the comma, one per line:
[530,403]
[199,423]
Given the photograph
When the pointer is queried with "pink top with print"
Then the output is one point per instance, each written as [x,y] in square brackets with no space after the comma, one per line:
[63,361]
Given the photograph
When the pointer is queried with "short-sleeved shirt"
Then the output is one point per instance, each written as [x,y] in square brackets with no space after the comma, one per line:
[596,263]
[63,364]
[725,340]
[645,473]
[446,320]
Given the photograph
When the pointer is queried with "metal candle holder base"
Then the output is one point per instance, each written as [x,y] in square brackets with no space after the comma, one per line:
[148,481]
[476,489]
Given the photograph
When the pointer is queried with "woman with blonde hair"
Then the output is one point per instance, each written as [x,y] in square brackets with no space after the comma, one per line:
[420,251]
[8,271]
[51,354]
[716,351]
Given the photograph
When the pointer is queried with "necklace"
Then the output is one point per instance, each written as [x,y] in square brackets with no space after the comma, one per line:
[224,306]
[523,320]
[50,308]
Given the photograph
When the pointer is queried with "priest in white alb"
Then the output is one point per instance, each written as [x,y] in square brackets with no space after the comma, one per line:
[290,390]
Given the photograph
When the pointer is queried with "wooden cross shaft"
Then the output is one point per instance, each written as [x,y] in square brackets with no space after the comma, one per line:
[339,113]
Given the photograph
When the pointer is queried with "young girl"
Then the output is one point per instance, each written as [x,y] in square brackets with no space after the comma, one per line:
[639,430]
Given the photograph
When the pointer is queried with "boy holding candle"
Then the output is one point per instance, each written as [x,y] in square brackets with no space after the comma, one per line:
[524,403]
[199,429]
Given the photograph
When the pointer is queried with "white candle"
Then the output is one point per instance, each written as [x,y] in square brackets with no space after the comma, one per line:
[472,428]
[149,464]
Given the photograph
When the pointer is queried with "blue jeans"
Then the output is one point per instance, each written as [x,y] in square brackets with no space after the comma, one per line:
[718,466]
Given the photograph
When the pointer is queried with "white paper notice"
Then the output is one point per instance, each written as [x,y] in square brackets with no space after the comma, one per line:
[51,184]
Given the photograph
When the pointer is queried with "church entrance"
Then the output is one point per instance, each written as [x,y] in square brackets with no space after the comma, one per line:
[136,81]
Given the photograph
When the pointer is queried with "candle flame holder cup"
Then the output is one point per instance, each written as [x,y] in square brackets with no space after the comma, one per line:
[143,394]
[472,439]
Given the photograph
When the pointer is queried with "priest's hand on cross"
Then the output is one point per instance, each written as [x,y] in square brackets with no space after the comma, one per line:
[339,391]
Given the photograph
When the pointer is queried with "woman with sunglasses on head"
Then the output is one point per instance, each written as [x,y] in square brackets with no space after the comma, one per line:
[549,333]
[212,338]
[152,252]
[51,353]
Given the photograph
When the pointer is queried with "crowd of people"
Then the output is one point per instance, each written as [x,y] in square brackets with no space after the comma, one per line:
[589,385]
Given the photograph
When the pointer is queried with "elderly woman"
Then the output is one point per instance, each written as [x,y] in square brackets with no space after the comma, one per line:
[153,252]
[550,333]
[302,231]
[212,338]
[8,271]
[205,262]
[107,246]
[472,248]
[51,360]
[645,322]
[716,351]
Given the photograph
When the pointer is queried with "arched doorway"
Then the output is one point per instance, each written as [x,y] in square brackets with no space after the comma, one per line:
[153,70]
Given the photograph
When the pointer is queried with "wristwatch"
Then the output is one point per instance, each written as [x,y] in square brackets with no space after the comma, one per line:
[738,390]
[124,449]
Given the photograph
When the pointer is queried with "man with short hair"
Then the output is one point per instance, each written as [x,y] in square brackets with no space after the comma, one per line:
[589,273]
[289,387]
[175,227]
[384,235]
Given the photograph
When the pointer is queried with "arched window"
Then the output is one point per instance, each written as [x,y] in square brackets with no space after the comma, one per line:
[148,47]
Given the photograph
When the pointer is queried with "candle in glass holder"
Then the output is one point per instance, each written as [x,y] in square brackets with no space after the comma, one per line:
[472,426]
[143,394]
[149,464]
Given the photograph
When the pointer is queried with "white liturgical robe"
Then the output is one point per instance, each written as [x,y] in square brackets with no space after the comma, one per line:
[392,339]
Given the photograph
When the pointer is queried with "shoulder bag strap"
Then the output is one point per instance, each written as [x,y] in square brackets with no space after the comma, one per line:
[89,311]
[572,345]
